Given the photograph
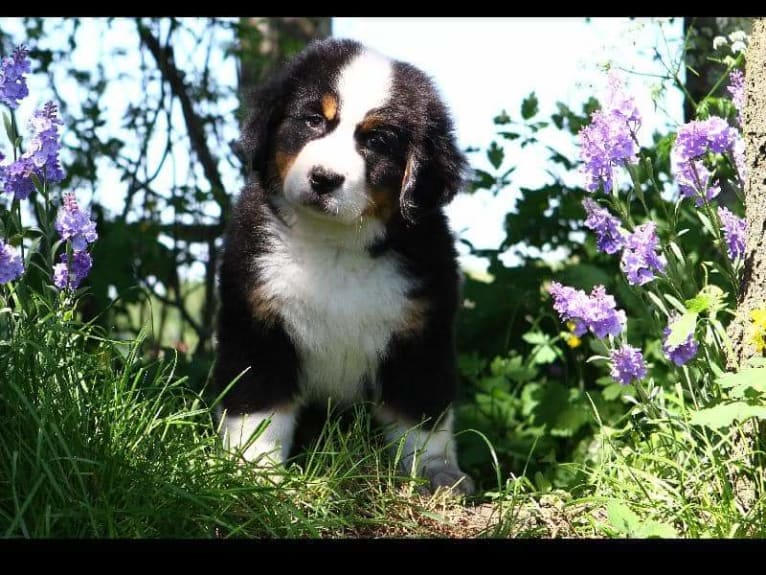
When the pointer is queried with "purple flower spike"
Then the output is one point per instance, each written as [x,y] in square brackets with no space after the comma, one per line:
[736,88]
[683,352]
[75,225]
[694,140]
[639,258]
[11,266]
[596,312]
[13,84]
[41,158]
[627,364]
[609,238]
[609,140]
[734,232]
[79,267]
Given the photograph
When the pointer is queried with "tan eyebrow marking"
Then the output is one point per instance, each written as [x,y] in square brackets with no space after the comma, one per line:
[370,123]
[329,107]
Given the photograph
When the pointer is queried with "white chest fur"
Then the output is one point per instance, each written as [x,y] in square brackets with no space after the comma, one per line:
[339,305]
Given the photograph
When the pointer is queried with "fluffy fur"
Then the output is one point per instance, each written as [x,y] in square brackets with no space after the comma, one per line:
[339,278]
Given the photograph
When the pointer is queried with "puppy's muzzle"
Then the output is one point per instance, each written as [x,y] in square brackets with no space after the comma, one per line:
[324,181]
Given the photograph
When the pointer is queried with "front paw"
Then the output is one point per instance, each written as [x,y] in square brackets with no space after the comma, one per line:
[449,477]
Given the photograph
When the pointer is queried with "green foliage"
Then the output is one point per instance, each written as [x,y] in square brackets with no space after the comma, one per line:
[627,524]
[106,434]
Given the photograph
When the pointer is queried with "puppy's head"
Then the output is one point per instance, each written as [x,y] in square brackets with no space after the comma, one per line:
[343,133]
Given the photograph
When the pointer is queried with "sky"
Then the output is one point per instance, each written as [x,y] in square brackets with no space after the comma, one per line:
[480,65]
[484,65]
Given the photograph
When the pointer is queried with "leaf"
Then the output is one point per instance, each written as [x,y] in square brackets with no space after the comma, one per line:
[677,252]
[483,180]
[503,118]
[706,223]
[529,107]
[616,390]
[744,381]
[535,337]
[675,302]
[755,377]
[652,529]
[509,135]
[681,328]
[622,518]
[544,354]
[658,302]
[8,126]
[698,303]
[495,154]
[710,298]
[725,414]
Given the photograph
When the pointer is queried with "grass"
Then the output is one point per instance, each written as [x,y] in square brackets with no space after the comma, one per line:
[97,443]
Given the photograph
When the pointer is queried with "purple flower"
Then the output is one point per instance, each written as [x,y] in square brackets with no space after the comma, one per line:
[734,230]
[627,364]
[619,103]
[694,140]
[44,147]
[18,178]
[79,266]
[13,84]
[609,238]
[681,353]
[609,140]
[41,157]
[11,266]
[74,224]
[693,177]
[639,258]
[737,90]
[596,312]
[697,136]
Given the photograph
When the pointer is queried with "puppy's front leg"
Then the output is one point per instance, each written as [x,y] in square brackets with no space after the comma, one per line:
[272,445]
[429,451]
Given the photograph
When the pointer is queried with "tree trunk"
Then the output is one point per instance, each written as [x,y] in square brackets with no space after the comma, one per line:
[264,43]
[748,441]
[753,292]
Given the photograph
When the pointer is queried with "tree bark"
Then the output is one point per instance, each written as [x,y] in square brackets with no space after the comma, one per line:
[753,291]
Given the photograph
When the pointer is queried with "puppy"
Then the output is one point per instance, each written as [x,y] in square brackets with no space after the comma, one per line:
[339,277]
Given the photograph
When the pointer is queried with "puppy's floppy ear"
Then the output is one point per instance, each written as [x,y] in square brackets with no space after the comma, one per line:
[264,111]
[435,167]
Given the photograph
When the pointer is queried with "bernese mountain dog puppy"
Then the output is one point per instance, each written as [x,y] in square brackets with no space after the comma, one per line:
[339,277]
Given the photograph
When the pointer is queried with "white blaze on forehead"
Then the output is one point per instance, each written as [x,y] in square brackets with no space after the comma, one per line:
[363,84]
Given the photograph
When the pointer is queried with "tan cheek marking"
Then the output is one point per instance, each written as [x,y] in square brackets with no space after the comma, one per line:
[284,162]
[381,204]
[408,170]
[263,307]
[329,107]
[414,318]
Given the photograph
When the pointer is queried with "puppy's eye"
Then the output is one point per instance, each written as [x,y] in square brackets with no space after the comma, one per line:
[313,120]
[378,140]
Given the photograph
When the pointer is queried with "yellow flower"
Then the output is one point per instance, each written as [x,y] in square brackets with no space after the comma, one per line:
[758,332]
[572,340]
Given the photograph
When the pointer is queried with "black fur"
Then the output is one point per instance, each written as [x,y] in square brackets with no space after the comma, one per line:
[417,376]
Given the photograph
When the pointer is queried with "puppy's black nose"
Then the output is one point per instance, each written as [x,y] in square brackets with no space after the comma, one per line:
[323,181]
